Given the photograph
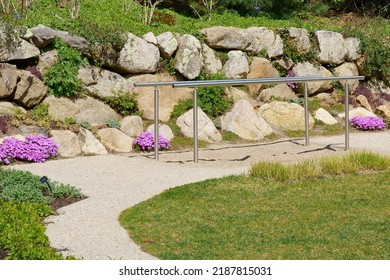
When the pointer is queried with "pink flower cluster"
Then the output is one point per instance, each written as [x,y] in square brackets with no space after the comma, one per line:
[145,142]
[34,149]
[368,123]
[290,74]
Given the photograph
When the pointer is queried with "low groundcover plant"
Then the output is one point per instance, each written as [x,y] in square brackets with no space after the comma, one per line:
[34,148]
[368,123]
[145,142]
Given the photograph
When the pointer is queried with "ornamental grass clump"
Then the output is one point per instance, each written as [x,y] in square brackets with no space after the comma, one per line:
[34,148]
[145,142]
[368,123]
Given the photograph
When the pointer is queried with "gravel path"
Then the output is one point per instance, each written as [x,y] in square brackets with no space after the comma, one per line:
[90,230]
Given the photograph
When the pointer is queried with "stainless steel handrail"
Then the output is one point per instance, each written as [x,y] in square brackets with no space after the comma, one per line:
[238,82]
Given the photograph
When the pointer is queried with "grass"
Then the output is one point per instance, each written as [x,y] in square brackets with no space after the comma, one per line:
[257,217]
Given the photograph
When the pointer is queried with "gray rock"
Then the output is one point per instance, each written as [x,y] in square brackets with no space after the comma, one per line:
[168,96]
[132,126]
[167,44]
[138,56]
[47,60]
[237,95]
[115,140]
[230,38]
[265,38]
[261,68]
[16,48]
[281,91]
[285,62]
[67,142]
[306,69]
[324,116]
[244,121]
[43,36]
[211,63]
[284,115]
[332,47]
[300,38]
[364,102]
[30,90]
[102,83]
[206,128]
[347,69]
[89,144]
[84,109]
[8,108]
[358,112]
[189,57]
[150,38]
[163,130]
[8,80]
[353,48]
[237,66]
[385,109]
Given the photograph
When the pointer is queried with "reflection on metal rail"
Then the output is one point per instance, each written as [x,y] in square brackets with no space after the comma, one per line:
[239,82]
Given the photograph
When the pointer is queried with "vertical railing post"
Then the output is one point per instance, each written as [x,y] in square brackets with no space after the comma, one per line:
[306,97]
[156,122]
[346,115]
[195,125]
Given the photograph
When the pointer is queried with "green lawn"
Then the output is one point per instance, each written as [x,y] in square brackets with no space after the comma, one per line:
[248,217]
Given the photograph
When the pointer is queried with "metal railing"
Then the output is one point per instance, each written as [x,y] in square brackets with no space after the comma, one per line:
[239,82]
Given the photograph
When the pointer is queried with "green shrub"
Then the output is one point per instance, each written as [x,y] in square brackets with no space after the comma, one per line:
[113,123]
[181,107]
[123,103]
[63,190]
[62,78]
[86,125]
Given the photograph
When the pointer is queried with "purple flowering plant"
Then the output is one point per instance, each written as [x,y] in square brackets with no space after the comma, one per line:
[145,142]
[290,74]
[368,123]
[34,148]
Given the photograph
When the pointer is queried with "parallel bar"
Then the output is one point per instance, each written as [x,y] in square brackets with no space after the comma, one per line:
[346,116]
[156,122]
[307,141]
[195,123]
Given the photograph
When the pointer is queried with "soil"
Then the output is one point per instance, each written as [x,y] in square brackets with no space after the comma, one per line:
[56,204]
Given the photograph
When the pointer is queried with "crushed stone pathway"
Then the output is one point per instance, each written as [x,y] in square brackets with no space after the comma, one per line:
[90,229]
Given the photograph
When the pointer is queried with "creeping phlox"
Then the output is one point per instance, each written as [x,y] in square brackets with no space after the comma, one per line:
[368,123]
[34,148]
[145,142]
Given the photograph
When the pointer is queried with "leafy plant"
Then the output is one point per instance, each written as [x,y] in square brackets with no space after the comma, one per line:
[69,121]
[62,78]
[113,123]
[86,125]
[181,107]
[124,103]
[145,142]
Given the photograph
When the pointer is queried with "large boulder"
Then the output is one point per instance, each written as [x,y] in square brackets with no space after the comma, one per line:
[211,63]
[281,91]
[237,66]
[322,115]
[358,112]
[43,36]
[167,44]
[352,46]
[332,47]
[163,130]
[189,57]
[132,126]
[89,144]
[67,142]
[265,38]
[237,94]
[385,110]
[261,68]
[8,108]
[306,69]
[300,38]
[284,115]
[150,38]
[102,83]
[347,69]
[137,56]
[83,109]
[15,48]
[364,102]
[8,80]
[168,96]
[115,140]
[206,128]
[246,122]
[30,90]
[230,38]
